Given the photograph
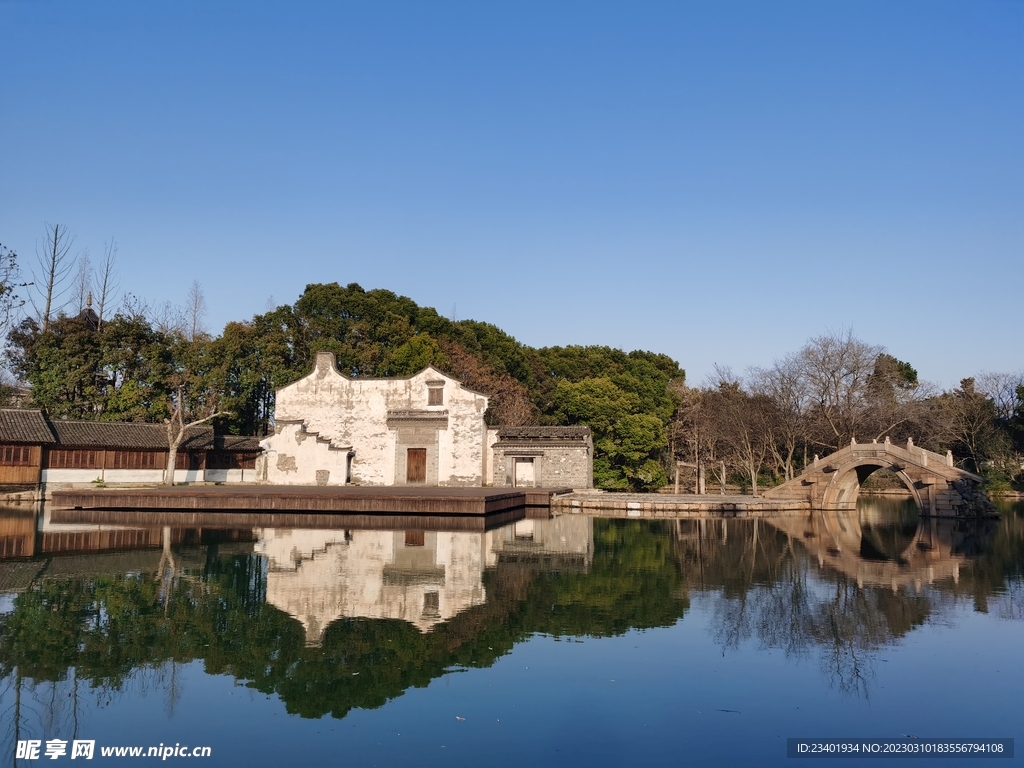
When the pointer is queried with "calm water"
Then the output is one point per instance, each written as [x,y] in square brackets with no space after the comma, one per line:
[569,641]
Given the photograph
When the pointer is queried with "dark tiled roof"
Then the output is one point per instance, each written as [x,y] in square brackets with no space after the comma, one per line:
[236,443]
[199,438]
[541,434]
[18,575]
[138,437]
[19,425]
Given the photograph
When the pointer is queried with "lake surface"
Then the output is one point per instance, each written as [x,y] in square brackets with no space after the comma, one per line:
[568,641]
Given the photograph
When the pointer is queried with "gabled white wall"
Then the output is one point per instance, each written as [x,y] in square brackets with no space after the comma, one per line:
[354,412]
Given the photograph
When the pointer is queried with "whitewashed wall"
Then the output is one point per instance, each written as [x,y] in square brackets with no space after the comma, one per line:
[294,456]
[106,476]
[354,413]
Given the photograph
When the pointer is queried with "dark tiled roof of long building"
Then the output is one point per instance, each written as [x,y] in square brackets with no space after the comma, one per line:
[128,436]
[22,425]
[239,443]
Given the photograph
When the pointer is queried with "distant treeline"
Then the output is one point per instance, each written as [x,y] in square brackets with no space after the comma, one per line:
[142,364]
[137,367]
[764,427]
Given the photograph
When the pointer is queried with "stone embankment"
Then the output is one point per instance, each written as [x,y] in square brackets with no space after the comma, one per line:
[670,507]
[968,499]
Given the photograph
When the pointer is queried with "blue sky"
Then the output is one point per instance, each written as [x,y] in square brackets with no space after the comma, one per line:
[718,181]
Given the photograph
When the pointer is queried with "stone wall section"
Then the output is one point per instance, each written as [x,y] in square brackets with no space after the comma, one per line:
[563,457]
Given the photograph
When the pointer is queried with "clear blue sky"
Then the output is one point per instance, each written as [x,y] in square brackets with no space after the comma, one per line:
[718,181]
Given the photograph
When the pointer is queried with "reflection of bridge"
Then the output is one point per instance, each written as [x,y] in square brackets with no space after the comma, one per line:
[938,487]
[937,550]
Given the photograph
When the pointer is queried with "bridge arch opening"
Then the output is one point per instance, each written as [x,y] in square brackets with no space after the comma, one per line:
[890,525]
[845,486]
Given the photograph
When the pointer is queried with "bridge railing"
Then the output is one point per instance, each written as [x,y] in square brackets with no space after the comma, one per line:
[911,452]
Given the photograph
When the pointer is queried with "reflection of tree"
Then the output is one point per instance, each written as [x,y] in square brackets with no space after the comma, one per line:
[133,630]
[633,583]
[774,592]
[996,569]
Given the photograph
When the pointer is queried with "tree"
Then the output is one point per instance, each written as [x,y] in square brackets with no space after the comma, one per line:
[105,279]
[627,441]
[1003,389]
[80,371]
[782,385]
[195,312]
[510,404]
[54,264]
[10,302]
[835,369]
[63,365]
[81,286]
[970,417]
[743,424]
[193,398]
[253,360]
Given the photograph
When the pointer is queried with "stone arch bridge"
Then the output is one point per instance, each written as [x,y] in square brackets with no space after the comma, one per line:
[937,486]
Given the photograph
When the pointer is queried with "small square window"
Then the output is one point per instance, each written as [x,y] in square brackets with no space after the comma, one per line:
[435,396]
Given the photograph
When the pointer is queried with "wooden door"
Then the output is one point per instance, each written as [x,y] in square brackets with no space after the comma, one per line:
[416,466]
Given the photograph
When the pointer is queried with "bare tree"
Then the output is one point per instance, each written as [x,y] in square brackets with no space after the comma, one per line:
[169,319]
[178,426]
[783,386]
[10,302]
[105,278]
[81,287]
[970,419]
[1003,389]
[54,265]
[693,433]
[836,369]
[135,307]
[195,312]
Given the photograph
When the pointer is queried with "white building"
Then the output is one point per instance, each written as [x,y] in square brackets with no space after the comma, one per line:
[425,429]
[330,429]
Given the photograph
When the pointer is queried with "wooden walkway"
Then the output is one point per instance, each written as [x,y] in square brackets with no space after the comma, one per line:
[392,500]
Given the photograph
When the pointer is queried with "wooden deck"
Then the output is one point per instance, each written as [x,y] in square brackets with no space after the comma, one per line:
[156,518]
[388,500]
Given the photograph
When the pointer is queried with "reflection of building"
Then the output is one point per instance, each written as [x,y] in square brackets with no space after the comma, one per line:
[34,450]
[563,543]
[17,532]
[425,429]
[422,577]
